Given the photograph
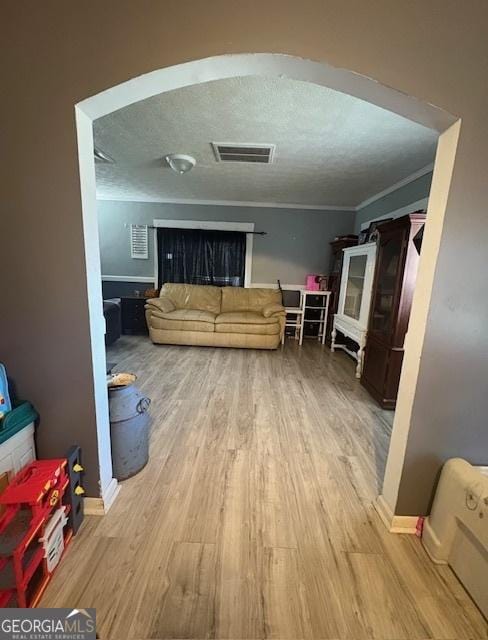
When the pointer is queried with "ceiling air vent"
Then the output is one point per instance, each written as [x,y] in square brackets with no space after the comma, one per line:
[233,152]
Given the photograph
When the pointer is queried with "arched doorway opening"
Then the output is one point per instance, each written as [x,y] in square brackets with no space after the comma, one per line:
[275,65]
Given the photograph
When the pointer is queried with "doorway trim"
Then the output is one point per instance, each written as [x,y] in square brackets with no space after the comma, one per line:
[270,65]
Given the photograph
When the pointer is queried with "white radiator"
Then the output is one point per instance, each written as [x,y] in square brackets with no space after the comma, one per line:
[456,532]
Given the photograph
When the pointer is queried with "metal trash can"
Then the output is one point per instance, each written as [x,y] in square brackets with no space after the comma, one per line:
[129,425]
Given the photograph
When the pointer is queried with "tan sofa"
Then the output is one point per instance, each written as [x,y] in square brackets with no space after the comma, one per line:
[216,316]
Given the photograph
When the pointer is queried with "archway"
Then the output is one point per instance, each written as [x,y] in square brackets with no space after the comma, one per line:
[277,65]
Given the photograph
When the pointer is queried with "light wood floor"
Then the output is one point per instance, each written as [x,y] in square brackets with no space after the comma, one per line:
[253,518]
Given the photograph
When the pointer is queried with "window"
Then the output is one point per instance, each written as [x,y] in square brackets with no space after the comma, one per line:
[201,256]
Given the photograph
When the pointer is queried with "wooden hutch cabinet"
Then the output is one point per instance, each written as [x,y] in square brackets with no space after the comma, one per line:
[393,286]
[335,272]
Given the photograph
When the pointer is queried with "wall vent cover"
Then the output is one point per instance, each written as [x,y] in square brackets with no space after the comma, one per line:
[236,152]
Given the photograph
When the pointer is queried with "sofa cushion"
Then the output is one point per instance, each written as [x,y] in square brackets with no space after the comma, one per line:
[182,325]
[163,304]
[244,317]
[187,314]
[184,320]
[273,309]
[191,314]
[241,299]
[259,329]
[193,296]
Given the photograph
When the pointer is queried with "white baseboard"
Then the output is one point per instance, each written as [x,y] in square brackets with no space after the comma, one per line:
[254,285]
[93,507]
[100,506]
[128,279]
[395,524]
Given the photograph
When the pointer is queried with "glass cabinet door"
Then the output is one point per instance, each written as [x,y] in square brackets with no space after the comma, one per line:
[389,256]
[355,285]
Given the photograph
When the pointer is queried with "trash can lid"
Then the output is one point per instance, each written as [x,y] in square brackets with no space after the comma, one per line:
[120,379]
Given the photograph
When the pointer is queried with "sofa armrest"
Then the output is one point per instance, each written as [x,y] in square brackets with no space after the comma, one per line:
[163,304]
[273,309]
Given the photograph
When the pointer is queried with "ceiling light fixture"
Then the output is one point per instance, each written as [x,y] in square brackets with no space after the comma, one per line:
[180,163]
[101,156]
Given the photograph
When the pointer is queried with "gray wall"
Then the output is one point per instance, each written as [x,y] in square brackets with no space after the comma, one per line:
[402,197]
[297,241]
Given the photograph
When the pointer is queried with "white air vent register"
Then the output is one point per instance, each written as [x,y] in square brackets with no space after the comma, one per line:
[249,152]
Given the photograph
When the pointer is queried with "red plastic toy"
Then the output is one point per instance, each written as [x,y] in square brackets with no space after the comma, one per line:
[30,500]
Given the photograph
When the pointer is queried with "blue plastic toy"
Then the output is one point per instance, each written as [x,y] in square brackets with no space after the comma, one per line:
[5,404]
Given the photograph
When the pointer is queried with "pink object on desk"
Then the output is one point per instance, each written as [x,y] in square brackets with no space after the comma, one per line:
[312,282]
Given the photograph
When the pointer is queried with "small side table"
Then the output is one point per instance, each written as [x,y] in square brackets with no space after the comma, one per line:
[133,316]
[294,319]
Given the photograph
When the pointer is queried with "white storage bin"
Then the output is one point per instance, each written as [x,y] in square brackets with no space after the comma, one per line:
[18,450]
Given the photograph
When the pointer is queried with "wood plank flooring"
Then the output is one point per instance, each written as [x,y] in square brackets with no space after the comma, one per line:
[254,517]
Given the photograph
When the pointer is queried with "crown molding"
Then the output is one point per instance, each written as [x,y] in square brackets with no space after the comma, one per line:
[401,183]
[396,213]
[231,203]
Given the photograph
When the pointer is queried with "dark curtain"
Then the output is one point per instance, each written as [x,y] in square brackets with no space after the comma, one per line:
[197,256]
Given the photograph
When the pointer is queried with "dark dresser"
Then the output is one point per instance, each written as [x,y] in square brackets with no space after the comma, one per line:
[133,317]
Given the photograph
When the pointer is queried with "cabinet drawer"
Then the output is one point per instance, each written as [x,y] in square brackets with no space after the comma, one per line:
[313,314]
[315,301]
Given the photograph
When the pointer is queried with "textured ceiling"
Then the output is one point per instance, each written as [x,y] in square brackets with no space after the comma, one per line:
[331,148]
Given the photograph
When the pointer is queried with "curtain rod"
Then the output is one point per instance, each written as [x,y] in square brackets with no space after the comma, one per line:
[254,233]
